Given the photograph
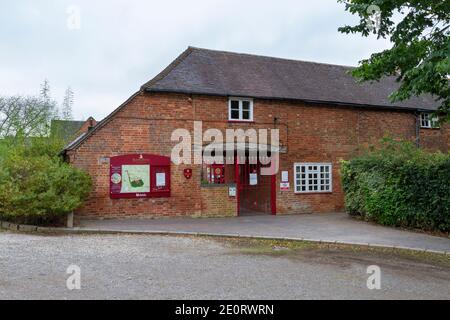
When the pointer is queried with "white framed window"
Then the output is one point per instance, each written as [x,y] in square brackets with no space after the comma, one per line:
[428,120]
[313,177]
[240,109]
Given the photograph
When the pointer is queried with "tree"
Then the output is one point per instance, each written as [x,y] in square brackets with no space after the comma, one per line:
[27,116]
[420,55]
[66,109]
[45,90]
[22,116]
[46,98]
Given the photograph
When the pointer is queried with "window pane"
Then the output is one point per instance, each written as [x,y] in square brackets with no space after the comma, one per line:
[313,177]
[234,114]
[245,115]
[246,105]
[234,104]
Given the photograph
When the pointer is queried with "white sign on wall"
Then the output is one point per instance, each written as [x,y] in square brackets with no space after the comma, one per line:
[284,186]
[160,179]
[284,176]
[253,179]
[232,191]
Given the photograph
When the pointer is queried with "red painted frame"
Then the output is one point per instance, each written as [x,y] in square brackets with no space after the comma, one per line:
[273,187]
[157,164]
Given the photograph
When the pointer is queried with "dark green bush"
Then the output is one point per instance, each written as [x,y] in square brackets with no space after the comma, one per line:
[399,185]
[36,186]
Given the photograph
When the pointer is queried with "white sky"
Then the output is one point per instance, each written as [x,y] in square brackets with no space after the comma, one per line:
[122,44]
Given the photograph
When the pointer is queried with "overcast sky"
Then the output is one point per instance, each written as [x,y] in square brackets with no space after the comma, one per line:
[121,44]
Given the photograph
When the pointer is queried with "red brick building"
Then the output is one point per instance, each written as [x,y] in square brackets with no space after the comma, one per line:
[321,114]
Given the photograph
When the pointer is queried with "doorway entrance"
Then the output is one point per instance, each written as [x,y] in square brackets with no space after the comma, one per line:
[255,192]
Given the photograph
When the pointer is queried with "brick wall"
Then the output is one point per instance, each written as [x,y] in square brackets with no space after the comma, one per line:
[86,125]
[310,133]
[435,139]
[216,202]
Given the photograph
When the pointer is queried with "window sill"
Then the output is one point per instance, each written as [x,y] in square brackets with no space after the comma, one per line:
[430,128]
[217,185]
[241,121]
[313,192]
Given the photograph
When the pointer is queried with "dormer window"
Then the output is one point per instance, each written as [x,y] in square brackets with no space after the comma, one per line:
[428,120]
[240,109]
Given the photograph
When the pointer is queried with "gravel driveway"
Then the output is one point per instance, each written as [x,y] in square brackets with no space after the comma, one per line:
[164,267]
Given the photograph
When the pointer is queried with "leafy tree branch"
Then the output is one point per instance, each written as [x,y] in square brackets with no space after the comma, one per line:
[420,55]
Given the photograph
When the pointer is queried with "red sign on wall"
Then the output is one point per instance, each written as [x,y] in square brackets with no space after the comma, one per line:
[187,173]
[139,176]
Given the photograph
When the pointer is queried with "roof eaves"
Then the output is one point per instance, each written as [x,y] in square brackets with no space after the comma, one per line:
[336,103]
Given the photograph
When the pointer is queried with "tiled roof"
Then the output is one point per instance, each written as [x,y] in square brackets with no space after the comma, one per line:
[204,71]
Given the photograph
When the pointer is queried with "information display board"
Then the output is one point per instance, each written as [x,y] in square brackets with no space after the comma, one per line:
[139,176]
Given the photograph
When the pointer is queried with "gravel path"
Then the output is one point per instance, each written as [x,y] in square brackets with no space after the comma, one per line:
[164,267]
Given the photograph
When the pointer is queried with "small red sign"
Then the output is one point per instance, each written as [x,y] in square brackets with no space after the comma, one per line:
[187,173]
[284,186]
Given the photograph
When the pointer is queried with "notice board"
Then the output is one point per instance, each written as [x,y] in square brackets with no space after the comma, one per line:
[139,176]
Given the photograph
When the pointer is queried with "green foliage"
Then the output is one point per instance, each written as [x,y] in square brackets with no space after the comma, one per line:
[420,55]
[399,185]
[36,186]
[22,116]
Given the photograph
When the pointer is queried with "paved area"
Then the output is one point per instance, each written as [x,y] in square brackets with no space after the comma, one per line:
[327,227]
[167,267]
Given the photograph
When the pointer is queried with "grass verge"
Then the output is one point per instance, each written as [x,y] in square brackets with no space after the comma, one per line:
[292,248]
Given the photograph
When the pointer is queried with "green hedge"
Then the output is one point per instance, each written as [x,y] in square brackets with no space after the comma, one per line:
[36,186]
[399,185]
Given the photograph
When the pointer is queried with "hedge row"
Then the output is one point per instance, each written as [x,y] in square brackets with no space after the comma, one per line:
[399,185]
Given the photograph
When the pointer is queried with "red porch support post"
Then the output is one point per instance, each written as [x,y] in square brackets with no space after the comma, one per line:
[273,193]
[236,171]
[273,185]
